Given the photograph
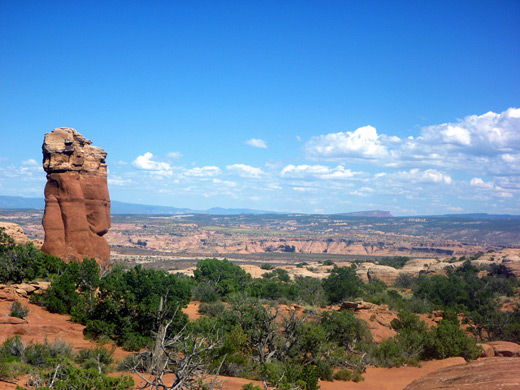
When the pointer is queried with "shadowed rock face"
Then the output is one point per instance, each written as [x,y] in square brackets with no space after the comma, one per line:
[77,204]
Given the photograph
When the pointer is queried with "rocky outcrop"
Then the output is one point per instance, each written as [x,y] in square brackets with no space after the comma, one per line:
[77,204]
[493,373]
[384,273]
[23,290]
[505,348]
[512,265]
[15,232]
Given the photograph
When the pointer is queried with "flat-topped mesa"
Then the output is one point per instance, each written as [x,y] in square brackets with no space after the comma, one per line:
[77,203]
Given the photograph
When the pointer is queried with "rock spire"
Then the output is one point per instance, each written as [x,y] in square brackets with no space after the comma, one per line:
[77,204]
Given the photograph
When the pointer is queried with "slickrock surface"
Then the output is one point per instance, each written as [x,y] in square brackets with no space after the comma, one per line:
[77,204]
[485,374]
[15,231]
[505,348]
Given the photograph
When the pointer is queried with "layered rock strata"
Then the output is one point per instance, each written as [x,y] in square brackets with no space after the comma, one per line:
[77,203]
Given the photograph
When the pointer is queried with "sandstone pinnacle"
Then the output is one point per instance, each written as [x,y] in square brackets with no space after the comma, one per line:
[77,203]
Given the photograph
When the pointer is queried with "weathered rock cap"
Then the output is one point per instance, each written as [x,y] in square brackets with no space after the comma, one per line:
[65,150]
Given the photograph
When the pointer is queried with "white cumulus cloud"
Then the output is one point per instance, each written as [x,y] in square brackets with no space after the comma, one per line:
[427,176]
[478,182]
[362,143]
[30,163]
[147,163]
[316,172]
[174,155]
[243,170]
[208,171]
[486,143]
[257,143]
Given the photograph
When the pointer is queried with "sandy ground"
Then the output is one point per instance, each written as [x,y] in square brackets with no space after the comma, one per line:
[375,378]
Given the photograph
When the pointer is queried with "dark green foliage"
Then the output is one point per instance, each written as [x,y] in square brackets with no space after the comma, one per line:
[343,375]
[279,274]
[128,301]
[267,266]
[375,286]
[98,358]
[211,309]
[328,262]
[122,305]
[447,340]
[415,341]
[96,329]
[73,291]
[36,355]
[344,328]
[67,376]
[224,276]
[310,291]
[18,310]
[395,262]
[205,292]
[462,290]
[251,386]
[342,284]
[52,363]
[25,262]
[6,241]
[404,281]
[492,323]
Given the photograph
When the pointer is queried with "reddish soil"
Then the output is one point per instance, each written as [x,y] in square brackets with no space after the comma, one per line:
[40,325]
[375,378]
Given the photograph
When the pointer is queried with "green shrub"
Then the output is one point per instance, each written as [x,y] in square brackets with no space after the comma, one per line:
[395,262]
[134,341]
[18,310]
[226,277]
[204,292]
[251,386]
[96,328]
[266,266]
[448,340]
[343,375]
[344,328]
[324,370]
[404,281]
[25,262]
[98,358]
[211,309]
[341,284]
[66,376]
[13,347]
[12,369]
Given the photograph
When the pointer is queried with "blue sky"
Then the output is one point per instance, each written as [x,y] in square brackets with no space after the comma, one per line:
[411,107]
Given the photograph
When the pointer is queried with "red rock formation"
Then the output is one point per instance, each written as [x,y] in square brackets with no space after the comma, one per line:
[77,204]
[505,348]
[492,373]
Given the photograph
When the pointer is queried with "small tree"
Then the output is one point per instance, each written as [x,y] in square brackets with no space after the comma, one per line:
[18,310]
[183,354]
[341,284]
